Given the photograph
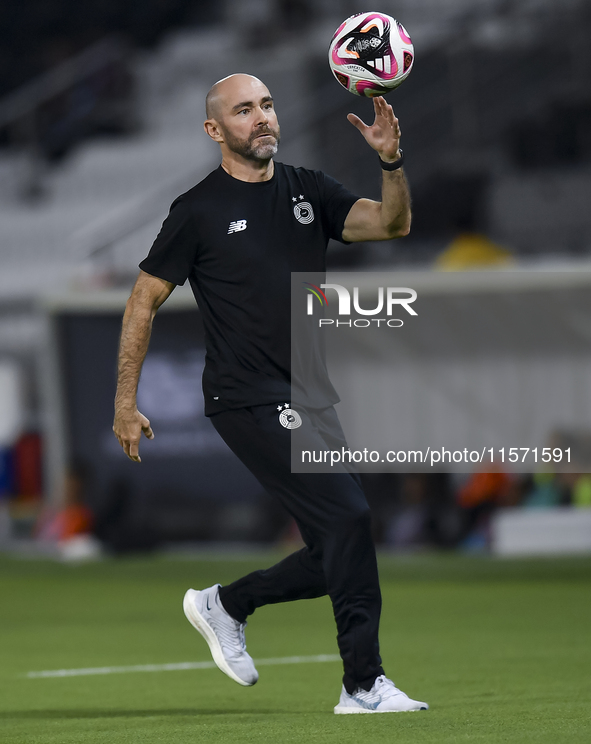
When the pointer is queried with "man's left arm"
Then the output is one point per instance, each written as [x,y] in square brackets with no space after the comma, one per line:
[390,218]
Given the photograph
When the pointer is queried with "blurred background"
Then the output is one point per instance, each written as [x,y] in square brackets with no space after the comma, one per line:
[101,110]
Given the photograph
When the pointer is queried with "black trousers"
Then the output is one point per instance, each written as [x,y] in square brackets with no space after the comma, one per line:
[332,514]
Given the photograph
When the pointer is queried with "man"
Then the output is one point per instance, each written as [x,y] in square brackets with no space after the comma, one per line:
[237,236]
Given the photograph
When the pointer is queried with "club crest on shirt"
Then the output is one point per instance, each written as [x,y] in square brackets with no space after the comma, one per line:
[302,210]
[288,418]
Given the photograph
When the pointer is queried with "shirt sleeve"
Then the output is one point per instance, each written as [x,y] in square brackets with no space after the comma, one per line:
[174,251]
[337,202]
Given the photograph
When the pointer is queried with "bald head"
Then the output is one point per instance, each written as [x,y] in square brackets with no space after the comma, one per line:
[231,91]
[241,118]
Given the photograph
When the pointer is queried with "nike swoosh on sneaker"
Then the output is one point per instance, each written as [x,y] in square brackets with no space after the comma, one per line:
[224,635]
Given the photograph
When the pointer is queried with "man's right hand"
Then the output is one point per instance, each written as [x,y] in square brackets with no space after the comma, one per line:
[128,427]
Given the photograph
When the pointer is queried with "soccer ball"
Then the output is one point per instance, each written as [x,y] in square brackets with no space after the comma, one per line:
[370,54]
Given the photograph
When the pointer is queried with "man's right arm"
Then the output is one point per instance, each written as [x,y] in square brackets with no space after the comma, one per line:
[146,297]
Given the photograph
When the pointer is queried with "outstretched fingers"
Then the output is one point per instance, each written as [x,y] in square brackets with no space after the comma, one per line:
[381,107]
[357,122]
[385,109]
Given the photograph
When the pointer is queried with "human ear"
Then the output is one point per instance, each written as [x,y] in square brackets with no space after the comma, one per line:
[213,130]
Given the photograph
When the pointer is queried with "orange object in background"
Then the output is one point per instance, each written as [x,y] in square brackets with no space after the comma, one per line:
[483,488]
[75,519]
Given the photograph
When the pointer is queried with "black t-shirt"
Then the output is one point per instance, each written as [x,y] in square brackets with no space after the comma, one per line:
[238,242]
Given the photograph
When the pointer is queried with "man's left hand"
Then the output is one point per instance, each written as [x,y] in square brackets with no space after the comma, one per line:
[384,134]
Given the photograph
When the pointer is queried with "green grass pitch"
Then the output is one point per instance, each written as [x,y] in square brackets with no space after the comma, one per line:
[500,649]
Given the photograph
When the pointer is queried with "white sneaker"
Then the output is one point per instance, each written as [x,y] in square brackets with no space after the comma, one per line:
[384,697]
[224,635]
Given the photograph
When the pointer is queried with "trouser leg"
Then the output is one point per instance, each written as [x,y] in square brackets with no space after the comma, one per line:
[339,558]
[299,576]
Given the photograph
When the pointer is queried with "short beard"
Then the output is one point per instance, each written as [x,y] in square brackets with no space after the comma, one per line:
[252,149]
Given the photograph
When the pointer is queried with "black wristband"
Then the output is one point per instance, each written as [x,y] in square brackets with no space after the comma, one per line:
[393,166]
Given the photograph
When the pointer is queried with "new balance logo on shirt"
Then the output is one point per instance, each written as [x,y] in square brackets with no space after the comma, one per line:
[236,226]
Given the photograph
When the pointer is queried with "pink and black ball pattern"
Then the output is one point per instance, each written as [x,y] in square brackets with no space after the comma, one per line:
[371,54]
